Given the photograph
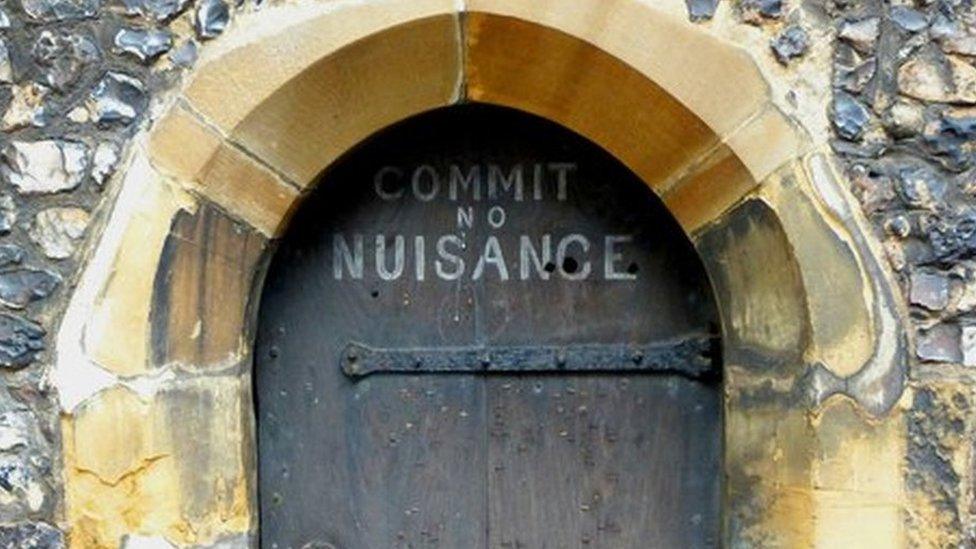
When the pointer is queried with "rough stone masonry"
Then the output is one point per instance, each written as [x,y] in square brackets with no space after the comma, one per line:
[76,80]
[904,127]
[78,77]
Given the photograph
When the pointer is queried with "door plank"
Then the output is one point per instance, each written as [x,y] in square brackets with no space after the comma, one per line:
[602,462]
[390,461]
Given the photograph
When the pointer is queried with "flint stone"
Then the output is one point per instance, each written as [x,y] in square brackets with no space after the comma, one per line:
[921,188]
[908,19]
[953,36]
[918,250]
[31,535]
[57,231]
[60,10]
[966,301]
[940,343]
[16,427]
[20,342]
[898,226]
[872,148]
[874,191]
[923,78]
[855,79]
[6,69]
[185,55]
[850,117]
[26,108]
[756,11]
[146,45]
[158,10]
[943,26]
[701,10]
[65,55]
[929,290]
[118,98]
[904,119]
[952,138]
[22,286]
[211,18]
[11,254]
[793,42]
[950,238]
[104,162]
[913,43]
[8,214]
[44,166]
[861,34]
[22,487]
[968,345]
[79,115]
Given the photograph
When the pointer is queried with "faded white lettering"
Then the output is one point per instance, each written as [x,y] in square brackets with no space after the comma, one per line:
[496,217]
[566,262]
[528,257]
[498,181]
[381,182]
[448,258]
[465,217]
[562,170]
[433,183]
[611,257]
[468,183]
[399,253]
[342,255]
[492,255]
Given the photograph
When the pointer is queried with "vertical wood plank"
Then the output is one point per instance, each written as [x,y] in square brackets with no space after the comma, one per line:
[608,462]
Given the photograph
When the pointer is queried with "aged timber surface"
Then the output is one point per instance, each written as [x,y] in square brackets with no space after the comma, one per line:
[580,462]
[447,238]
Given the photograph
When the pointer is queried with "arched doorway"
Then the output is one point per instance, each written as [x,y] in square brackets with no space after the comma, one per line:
[481,330]
[160,327]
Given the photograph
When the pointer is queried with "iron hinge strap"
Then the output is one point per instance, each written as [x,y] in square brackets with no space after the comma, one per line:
[690,356]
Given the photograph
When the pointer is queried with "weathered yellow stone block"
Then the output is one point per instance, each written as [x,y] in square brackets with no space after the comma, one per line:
[171,464]
[218,169]
[713,186]
[770,449]
[318,115]
[858,476]
[757,282]
[655,40]
[767,142]
[247,189]
[287,40]
[514,63]
[203,293]
[838,299]
[168,144]
[116,333]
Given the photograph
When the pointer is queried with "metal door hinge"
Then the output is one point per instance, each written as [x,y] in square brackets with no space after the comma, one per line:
[690,356]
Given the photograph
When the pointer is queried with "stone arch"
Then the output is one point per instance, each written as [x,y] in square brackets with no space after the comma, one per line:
[153,360]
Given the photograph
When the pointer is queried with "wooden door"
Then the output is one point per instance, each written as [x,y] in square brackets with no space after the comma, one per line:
[481,330]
